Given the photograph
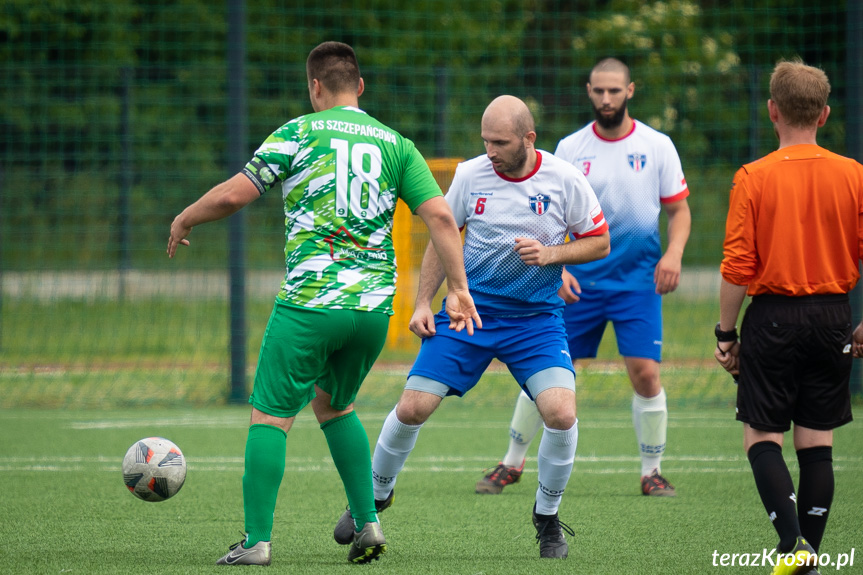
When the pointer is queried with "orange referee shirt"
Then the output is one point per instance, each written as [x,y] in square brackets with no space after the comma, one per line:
[795,223]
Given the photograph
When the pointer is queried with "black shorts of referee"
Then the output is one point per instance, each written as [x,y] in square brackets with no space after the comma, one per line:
[795,362]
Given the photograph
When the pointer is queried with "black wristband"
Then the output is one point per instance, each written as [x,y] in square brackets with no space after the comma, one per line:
[725,336]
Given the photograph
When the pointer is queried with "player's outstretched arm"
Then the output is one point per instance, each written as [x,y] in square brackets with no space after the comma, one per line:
[220,202]
[431,278]
[444,258]
[580,251]
[459,303]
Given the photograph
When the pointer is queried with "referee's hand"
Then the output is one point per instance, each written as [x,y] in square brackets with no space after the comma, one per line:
[728,355]
[857,341]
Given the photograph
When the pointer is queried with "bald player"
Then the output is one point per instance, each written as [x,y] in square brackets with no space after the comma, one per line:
[636,174]
[517,205]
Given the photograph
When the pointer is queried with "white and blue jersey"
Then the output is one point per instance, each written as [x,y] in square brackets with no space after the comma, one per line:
[524,327]
[554,200]
[631,176]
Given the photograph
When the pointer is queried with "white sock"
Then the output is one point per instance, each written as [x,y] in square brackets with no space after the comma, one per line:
[524,426]
[650,418]
[555,457]
[394,445]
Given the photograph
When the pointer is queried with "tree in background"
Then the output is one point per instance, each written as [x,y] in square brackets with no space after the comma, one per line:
[434,65]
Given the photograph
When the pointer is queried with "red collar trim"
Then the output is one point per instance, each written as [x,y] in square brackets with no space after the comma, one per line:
[623,137]
[528,176]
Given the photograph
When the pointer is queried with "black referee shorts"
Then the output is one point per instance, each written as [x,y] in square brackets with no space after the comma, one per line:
[795,362]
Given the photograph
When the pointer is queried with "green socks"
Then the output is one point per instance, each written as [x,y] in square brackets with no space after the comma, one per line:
[349,446]
[265,466]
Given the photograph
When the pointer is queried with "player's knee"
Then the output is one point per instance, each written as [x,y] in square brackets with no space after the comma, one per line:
[556,405]
[645,381]
[410,415]
[559,419]
[413,410]
[647,390]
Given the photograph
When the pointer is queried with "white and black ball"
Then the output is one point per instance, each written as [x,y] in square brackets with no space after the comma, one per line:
[154,469]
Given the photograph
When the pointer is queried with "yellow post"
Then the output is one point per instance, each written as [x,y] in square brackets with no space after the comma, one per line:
[410,239]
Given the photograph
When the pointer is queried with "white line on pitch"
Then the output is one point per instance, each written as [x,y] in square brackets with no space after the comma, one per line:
[424,459]
[409,469]
[308,421]
[49,462]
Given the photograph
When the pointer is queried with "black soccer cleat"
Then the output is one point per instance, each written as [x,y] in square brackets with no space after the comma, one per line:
[549,535]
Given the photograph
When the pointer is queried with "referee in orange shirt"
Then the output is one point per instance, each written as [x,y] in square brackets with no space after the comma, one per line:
[793,241]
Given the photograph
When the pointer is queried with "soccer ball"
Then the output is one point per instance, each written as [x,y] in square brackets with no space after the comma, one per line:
[154,469]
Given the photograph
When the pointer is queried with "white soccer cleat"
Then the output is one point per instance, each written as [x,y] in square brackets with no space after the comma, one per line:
[260,553]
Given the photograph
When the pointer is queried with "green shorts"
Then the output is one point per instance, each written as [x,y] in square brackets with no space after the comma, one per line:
[302,347]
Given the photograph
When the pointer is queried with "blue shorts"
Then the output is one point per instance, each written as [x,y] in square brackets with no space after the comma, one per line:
[636,316]
[527,345]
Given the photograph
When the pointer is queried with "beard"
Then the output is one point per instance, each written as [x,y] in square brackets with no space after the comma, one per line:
[519,159]
[610,122]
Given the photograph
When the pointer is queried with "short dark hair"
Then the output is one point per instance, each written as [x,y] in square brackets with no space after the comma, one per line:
[611,65]
[335,66]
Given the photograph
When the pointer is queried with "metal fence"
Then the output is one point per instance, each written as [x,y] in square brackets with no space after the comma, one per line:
[116,115]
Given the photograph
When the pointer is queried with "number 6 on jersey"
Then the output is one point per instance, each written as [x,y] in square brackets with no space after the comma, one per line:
[480,206]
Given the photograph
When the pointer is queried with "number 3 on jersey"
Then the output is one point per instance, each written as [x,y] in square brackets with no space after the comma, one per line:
[364,161]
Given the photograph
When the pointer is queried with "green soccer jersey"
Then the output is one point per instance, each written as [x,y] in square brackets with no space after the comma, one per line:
[341,173]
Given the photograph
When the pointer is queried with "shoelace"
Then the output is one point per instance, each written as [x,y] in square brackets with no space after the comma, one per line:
[238,543]
[548,525]
[498,474]
[495,472]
